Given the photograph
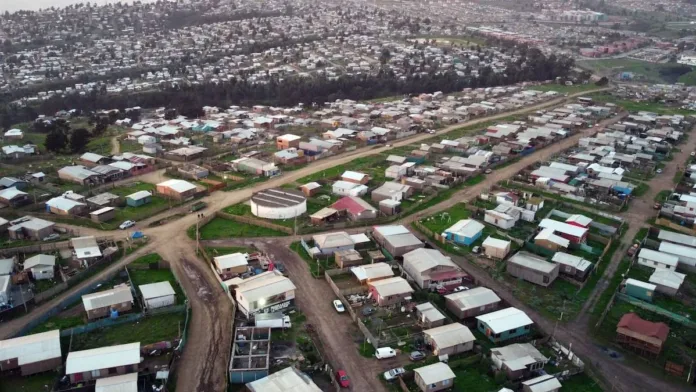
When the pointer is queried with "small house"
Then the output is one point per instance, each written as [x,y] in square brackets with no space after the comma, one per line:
[430,268]
[355,177]
[390,291]
[108,302]
[518,360]
[642,336]
[666,281]
[545,383]
[429,316]
[641,290]
[87,365]
[139,198]
[369,273]
[231,265]
[329,243]
[31,354]
[473,302]
[85,249]
[396,239]
[546,238]
[310,189]
[464,232]
[103,214]
[123,383]
[573,266]
[495,248]
[655,259]
[13,197]
[532,268]
[157,295]
[572,233]
[41,266]
[176,189]
[347,258]
[435,377]
[505,324]
[450,339]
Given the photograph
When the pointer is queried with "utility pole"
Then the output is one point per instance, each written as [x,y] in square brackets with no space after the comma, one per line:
[198,235]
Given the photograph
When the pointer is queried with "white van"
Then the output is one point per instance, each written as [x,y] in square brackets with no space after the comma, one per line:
[385,352]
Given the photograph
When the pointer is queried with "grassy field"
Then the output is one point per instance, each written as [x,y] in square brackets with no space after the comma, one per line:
[58,322]
[35,383]
[688,79]
[316,267]
[581,383]
[633,106]
[563,89]
[214,251]
[650,71]
[140,277]
[147,259]
[147,331]
[225,228]
[441,221]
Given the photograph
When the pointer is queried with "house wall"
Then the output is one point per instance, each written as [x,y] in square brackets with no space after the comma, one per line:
[502,223]
[473,312]
[456,349]
[666,290]
[460,239]
[654,264]
[138,203]
[503,336]
[526,388]
[160,302]
[174,194]
[330,251]
[106,310]
[435,387]
[42,366]
[386,301]
[102,373]
[107,216]
[549,245]
[42,273]
[533,276]
[38,234]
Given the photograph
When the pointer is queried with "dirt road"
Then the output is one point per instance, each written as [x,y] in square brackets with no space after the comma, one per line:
[115,146]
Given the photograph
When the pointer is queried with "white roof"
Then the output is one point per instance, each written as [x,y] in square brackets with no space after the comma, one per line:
[667,278]
[353,175]
[63,203]
[359,238]
[435,373]
[286,380]
[545,383]
[31,348]
[101,299]
[101,210]
[563,227]
[11,193]
[156,290]
[345,185]
[123,383]
[571,260]
[264,285]
[532,261]
[14,132]
[495,243]
[231,260]
[474,298]
[450,335]
[422,260]
[85,247]
[505,319]
[39,260]
[311,185]
[139,195]
[638,283]
[517,356]
[466,228]
[547,234]
[660,257]
[677,238]
[580,219]
[386,231]
[372,271]
[91,157]
[177,185]
[430,312]
[682,252]
[102,358]
[391,286]
[333,240]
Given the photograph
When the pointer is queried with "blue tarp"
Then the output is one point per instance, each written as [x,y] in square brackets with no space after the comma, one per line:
[137,234]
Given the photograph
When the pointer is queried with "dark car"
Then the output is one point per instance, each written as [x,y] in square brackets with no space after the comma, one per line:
[368,311]
[417,356]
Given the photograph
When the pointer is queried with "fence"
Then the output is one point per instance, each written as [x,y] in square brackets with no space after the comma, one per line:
[656,309]
[44,295]
[254,221]
[663,221]
[122,319]
[329,274]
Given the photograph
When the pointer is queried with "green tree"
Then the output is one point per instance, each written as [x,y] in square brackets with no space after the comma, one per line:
[79,139]
[56,141]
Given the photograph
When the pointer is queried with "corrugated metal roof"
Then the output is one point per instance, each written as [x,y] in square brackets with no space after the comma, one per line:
[450,335]
[85,247]
[139,195]
[333,240]
[102,358]
[677,238]
[155,290]
[386,231]
[532,261]
[372,271]
[474,298]
[667,278]
[685,254]
[179,186]
[122,383]
[563,227]
[421,260]
[353,175]
[518,355]
[660,257]
[45,260]
[545,383]
[466,227]
[101,299]
[505,320]
[264,285]
[430,312]
[286,380]
[392,286]
[31,348]
[495,243]
[435,373]
[230,261]
[63,204]
[571,260]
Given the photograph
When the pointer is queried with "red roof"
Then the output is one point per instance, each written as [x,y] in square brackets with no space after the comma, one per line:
[632,322]
[350,204]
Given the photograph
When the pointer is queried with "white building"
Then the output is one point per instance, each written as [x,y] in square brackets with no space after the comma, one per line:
[158,295]
[277,203]
[41,266]
[655,259]
[267,292]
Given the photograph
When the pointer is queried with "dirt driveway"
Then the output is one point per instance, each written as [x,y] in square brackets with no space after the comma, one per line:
[337,331]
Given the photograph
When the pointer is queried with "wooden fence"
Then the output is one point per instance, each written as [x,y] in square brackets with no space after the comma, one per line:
[254,221]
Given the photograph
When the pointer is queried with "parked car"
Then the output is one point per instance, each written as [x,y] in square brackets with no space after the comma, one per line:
[368,311]
[417,356]
[392,374]
[126,224]
[342,378]
[460,288]
[338,305]
[693,153]
[488,171]
[385,352]
[476,249]
[51,237]
[658,171]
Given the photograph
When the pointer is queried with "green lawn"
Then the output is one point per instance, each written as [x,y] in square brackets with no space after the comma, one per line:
[147,259]
[57,322]
[215,251]
[225,228]
[633,106]
[146,331]
[316,267]
[35,383]
[688,79]
[472,380]
[441,221]
[563,89]
[358,164]
[650,72]
[581,383]
[560,296]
